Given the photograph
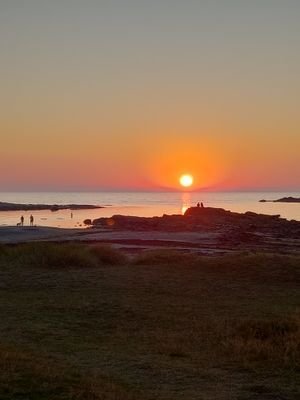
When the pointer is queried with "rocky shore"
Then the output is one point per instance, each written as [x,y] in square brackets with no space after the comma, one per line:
[52,207]
[207,231]
[205,219]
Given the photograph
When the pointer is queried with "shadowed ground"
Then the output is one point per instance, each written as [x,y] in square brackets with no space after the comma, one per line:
[82,321]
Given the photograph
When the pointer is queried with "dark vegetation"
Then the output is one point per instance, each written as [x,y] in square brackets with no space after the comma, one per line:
[86,322]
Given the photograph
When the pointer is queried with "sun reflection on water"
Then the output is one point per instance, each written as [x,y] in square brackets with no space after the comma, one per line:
[185,201]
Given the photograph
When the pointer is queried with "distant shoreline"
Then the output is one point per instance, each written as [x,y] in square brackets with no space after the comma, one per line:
[154,204]
[282,200]
[51,207]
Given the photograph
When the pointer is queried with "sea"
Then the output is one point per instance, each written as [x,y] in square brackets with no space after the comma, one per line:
[146,204]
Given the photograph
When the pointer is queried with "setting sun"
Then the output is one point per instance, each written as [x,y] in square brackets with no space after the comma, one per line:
[186,180]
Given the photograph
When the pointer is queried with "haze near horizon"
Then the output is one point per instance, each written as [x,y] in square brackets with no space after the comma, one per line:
[125,95]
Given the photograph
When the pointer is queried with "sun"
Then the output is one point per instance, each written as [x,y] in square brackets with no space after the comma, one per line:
[186,180]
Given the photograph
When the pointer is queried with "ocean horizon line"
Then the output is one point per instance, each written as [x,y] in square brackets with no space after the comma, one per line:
[155,191]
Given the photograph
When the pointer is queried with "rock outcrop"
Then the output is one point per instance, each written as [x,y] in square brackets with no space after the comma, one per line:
[199,219]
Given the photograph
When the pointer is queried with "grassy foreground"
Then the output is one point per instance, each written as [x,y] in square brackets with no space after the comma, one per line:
[85,322]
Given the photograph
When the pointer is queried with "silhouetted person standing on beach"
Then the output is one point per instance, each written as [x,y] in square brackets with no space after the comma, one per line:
[202,206]
[198,204]
[31,220]
[22,220]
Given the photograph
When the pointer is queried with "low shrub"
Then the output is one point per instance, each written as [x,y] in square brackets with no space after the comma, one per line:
[53,255]
[61,255]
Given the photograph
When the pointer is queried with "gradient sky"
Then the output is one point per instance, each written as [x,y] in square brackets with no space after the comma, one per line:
[130,94]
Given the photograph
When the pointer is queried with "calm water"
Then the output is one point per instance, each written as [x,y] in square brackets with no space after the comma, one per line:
[142,204]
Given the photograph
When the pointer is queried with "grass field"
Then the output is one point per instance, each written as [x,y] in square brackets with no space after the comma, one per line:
[85,322]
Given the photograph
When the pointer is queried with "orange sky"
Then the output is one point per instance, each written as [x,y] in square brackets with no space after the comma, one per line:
[130,96]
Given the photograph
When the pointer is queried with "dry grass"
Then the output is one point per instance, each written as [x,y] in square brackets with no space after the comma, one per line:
[275,341]
[54,255]
[23,376]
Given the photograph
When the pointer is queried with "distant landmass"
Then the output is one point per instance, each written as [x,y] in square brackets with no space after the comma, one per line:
[52,207]
[282,200]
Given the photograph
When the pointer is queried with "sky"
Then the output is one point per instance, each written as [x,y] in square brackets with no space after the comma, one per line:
[129,95]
